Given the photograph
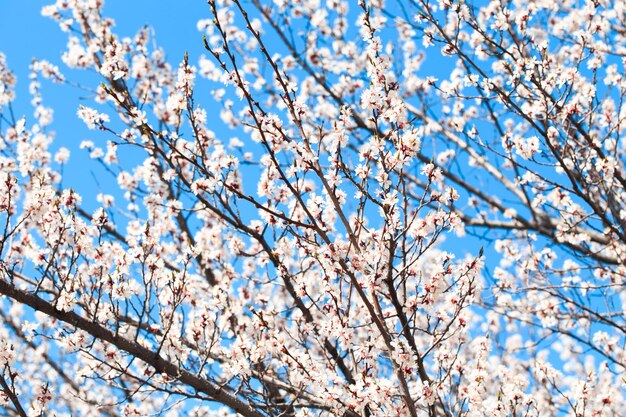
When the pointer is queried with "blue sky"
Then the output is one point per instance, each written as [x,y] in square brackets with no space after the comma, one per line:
[25,34]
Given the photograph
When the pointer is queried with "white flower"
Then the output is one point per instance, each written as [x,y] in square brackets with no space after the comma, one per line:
[91,117]
[62,155]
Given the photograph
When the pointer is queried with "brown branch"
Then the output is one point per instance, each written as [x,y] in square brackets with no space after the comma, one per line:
[159,364]
[12,396]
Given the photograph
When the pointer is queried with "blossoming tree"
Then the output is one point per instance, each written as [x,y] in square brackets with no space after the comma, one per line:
[277,248]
